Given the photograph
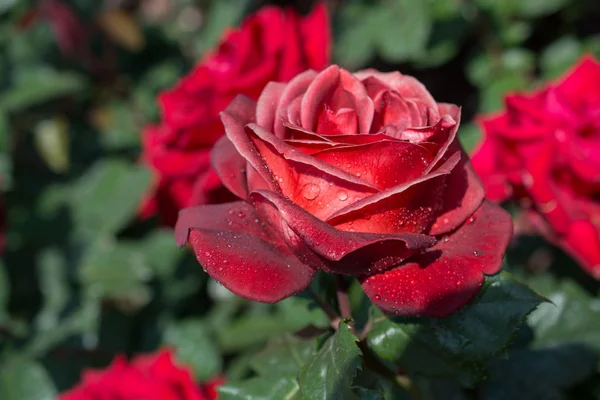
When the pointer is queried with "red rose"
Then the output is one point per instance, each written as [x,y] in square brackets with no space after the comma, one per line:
[273,44]
[351,174]
[544,150]
[150,377]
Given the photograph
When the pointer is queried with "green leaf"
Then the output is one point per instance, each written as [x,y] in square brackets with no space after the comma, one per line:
[573,316]
[284,356]
[469,135]
[403,29]
[458,345]
[51,138]
[39,84]
[107,196]
[250,330]
[116,271]
[540,374]
[22,379]
[354,41]
[539,8]
[161,252]
[221,15]
[195,347]
[559,56]
[261,388]
[329,373]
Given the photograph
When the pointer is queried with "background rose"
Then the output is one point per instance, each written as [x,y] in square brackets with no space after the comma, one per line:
[544,151]
[273,44]
[352,174]
[147,377]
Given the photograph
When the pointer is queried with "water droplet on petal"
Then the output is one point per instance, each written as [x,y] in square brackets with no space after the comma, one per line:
[241,214]
[310,191]
[342,196]
[476,253]
[471,220]
[377,297]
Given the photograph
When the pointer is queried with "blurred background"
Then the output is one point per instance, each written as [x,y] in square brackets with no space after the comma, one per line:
[82,277]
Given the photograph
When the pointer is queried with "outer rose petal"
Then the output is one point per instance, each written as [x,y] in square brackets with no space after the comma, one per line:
[447,276]
[230,167]
[464,193]
[351,253]
[246,255]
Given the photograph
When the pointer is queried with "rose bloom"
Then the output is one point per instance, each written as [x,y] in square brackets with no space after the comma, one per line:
[148,377]
[544,151]
[273,44]
[357,174]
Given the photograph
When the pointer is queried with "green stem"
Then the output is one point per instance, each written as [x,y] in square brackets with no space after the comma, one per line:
[342,296]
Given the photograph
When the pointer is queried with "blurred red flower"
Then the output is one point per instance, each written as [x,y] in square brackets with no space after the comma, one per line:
[544,151]
[358,174]
[148,377]
[272,44]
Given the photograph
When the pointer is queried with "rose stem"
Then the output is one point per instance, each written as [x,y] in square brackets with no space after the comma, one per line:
[334,318]
[343,299]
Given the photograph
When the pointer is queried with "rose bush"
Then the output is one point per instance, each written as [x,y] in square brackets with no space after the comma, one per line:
[543,150]
[349,174]
[147,377]
[273,44]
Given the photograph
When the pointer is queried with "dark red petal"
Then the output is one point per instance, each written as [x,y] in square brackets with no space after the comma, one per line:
[447,276]
[383,164]
[409,207]
[444,135]
[464,193]
[581,241]
[230,166]
[353,253]
[243,253]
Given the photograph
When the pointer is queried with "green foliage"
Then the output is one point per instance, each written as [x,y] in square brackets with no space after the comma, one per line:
[329,373]
[83,277]
[459,345]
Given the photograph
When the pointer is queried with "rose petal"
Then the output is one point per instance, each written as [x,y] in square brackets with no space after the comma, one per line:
[234,119]
[243,253]
[293,90]
[409,207]
[316,93]
[316,37]
[383,164]
[464,193]
[230,166]
[352,253]
[447,276]
[318,187]
[267,105]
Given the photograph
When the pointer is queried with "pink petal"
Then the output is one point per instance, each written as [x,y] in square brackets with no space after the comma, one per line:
[352,253]
[447,276]
[267,105]
[315,95]
[241,252]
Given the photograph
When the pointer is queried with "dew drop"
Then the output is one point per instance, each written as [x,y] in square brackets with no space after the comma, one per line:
[310,191]
[342,196]
[377,297]
[229,222]
[241,214]
[476,253]
[471,220]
